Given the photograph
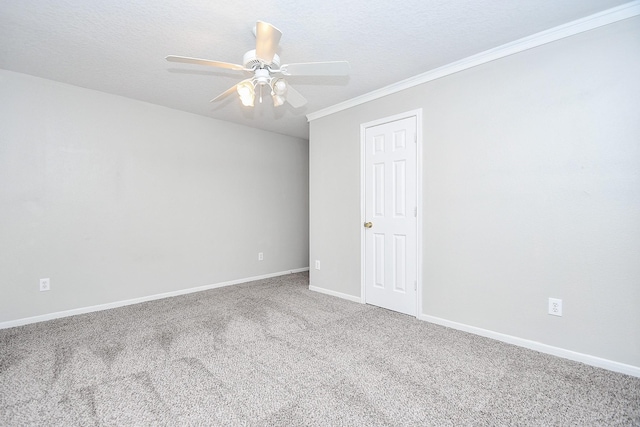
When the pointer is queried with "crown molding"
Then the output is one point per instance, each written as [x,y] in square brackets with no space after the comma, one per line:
[606,17]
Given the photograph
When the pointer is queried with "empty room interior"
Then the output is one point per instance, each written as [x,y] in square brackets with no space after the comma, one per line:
[277,213]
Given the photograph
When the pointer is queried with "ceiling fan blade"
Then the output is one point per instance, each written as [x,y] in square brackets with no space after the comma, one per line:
[334,68]
[295,98]
[188,60]
[267,39]
[226,93]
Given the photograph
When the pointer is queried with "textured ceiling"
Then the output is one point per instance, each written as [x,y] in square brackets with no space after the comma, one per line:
[118,46]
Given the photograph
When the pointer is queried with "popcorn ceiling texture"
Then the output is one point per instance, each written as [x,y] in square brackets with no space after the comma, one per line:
[119,46]
[274,353]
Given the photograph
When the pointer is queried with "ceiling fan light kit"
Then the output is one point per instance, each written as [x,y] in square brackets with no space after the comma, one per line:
[264,63]
[246,92]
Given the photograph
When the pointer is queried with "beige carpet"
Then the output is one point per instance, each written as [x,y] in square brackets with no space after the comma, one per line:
[273,353]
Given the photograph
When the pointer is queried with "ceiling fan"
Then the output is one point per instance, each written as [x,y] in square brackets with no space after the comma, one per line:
[268,72]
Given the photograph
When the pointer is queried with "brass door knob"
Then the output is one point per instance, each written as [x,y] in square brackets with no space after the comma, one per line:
[368,224]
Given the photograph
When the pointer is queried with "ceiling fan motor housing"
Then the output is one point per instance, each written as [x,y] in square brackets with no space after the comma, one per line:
[262,77]
[251,61]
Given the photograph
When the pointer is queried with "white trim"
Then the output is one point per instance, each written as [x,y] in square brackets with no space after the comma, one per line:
[538,346]
[336,294]
[609,16]
[116,304]
[363,270]
[417,113]
[420,207]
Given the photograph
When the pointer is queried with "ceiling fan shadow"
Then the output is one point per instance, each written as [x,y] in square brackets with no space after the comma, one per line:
[219,105]
[249,113]
[319,80]
[281,112]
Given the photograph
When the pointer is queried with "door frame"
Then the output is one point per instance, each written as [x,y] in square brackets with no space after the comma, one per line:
[363,128]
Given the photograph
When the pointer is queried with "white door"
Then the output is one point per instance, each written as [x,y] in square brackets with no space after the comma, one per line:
[391,215]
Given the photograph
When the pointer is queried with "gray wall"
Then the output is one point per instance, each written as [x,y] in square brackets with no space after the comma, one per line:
[115,199]
[531,190]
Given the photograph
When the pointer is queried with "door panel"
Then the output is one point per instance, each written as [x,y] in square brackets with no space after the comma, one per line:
[379,260]
[399,188]
[390,204]
[400,262]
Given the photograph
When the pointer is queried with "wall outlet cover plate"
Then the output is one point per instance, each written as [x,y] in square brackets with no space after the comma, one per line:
[555,306]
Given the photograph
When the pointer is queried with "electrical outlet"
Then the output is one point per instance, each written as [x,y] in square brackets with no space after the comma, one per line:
[555,306]
[45,284]
[260,256]
[317,264]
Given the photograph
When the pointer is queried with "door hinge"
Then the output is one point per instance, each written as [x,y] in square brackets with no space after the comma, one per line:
[415,285]
[415,211]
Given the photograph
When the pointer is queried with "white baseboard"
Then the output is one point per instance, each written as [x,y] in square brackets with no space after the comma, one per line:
[336,294]
[100,307]
[538,346]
